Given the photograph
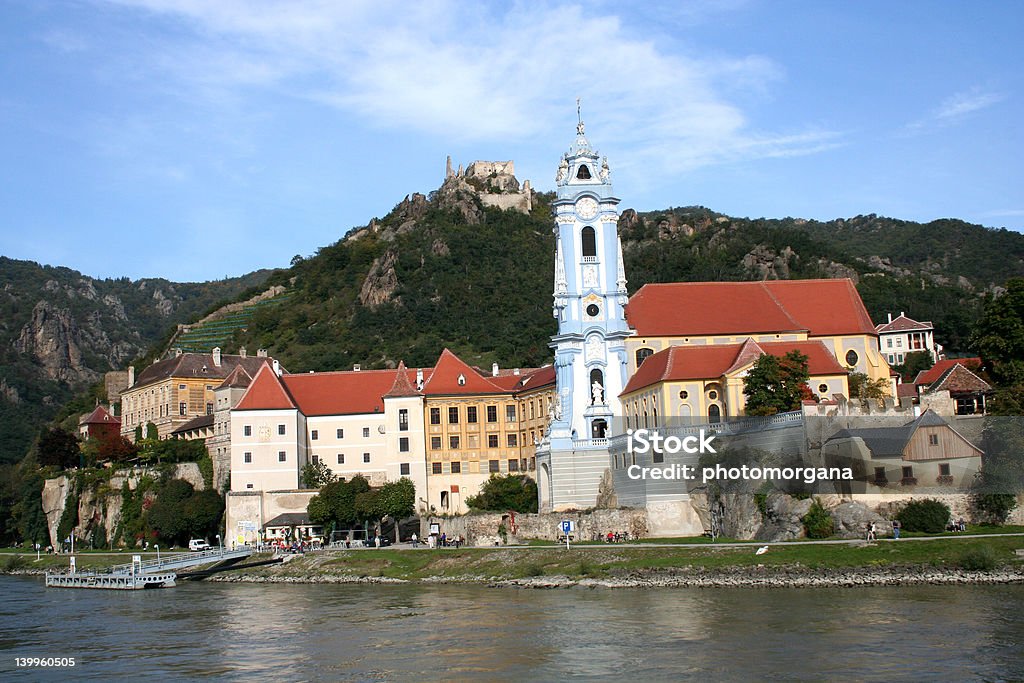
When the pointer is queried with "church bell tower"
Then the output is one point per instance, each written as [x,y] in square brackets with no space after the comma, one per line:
[589,304]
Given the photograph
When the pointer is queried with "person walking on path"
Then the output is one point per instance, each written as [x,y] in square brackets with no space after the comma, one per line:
[871,531]
[896,529]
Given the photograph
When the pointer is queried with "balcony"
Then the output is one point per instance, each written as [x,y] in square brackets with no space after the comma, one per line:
[908,481]
[944,480]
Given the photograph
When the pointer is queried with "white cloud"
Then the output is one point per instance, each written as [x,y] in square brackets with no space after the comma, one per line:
[475,73]
[955,109]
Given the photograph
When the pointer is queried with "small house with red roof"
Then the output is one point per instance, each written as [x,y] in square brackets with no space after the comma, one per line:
[901,335]
[99,424]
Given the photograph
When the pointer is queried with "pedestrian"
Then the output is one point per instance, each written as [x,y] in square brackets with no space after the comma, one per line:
[871,531]
[896,528]
[415,540]
[444,539]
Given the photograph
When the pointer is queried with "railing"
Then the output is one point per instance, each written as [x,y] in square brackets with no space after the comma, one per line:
[191,558]
[590,443]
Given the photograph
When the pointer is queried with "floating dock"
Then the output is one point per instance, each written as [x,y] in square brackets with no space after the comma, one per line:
[141,574]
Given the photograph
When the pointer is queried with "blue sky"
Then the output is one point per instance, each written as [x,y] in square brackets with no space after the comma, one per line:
[196,140]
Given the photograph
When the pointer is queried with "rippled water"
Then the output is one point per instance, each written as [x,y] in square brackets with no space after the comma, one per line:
[332,632]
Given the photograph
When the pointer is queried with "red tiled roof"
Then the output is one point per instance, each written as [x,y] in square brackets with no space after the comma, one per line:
[902,323]
[906,389]
[821,307]
[932,374]
[445,378]
[266,393]
[343,393]
[402,386]
[958,379]
[681,363]
[238,379]
[100,415]
[541,377]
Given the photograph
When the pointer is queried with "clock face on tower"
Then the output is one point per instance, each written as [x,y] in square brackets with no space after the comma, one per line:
[586,208]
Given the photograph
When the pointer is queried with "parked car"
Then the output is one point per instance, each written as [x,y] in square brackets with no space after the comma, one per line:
[198,544]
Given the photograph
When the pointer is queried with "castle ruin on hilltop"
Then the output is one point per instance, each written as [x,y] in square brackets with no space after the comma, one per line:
[496,184]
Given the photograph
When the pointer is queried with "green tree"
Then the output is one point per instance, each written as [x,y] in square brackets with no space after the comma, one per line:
[335,505]
[864,388]
[316,475]
[775,385]
[152,433]
[516,492]
[913,363]
[999,334]
[397,500]
[58,448]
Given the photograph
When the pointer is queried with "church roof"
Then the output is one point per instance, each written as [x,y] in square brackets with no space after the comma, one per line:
[712,361]
[681,309]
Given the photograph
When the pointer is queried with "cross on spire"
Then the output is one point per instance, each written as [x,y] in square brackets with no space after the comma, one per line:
[579,118]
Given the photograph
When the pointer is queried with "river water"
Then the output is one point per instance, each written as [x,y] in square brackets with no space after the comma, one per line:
[404,632]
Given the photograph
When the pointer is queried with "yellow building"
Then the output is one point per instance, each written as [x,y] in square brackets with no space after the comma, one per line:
[478,425]
[177,390]
[715,313]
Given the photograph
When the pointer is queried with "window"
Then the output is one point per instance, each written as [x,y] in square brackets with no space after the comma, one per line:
[366,432]
[315,434]
[403,420]
[510,413]
[403,444]
[908,473]
[281,429]
[247,458]
[684,395]
[583,173]
[247,430]
[282,456]
[435,443]
[403,469]
[713,395]
[471,414]
[366,457]
[944,469]
[435,468]
[492,440]
[888,343]
[340,434]
[209,409]
[248,486]
[642,355]
[341,458]
[589,240]
[453,441]
[880,475]
[492,413]
[933,439]
[182,409]
[473,441]
[453,415]
[435,416]
[657,456]
[512,441]
[316,459]
[456,468]
[182,387]
[852,358]
[494,466]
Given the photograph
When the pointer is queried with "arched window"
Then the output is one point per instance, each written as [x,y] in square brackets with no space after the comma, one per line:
[589,242]
[583,173]
[642,355]
[714,414]
[598,429]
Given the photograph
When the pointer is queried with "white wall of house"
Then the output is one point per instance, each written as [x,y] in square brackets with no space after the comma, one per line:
[262,457]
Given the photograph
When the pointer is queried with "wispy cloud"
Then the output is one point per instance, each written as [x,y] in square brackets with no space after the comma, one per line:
[476,72]
[956,108]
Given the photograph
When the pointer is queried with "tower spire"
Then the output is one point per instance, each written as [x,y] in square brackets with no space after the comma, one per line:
[579,118]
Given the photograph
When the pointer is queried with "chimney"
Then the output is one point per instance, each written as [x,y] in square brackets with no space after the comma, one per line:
[494,369]
[419,379]
[516,372]
[357,367]
[216,356]
[890,316]
[277,367]
[902,314]
[241,352]
[131,375]
[261,353]
[177,352]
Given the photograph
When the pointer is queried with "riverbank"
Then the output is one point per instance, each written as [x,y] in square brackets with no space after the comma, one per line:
[946,560]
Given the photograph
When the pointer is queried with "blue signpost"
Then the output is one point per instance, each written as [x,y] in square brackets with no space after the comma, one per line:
[567,527]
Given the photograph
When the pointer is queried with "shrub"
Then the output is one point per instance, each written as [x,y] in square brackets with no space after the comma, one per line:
[533,569]
[14,563]
[818,522]
[980,558]
[929,516]
[993,508]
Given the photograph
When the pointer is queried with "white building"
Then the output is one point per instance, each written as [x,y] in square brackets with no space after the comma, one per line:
[901,336]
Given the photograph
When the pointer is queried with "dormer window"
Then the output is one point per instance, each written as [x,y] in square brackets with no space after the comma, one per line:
[462,380]
[583,173]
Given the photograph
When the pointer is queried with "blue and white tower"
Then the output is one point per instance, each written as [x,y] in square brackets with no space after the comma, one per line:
[590,353]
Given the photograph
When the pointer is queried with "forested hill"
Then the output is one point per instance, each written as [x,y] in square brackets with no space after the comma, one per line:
[446,271]
[61,330]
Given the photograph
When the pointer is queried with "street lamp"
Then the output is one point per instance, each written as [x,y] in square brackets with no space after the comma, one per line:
[220,546]
[157,554]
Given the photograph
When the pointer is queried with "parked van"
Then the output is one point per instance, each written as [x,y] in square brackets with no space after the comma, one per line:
[198,544]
